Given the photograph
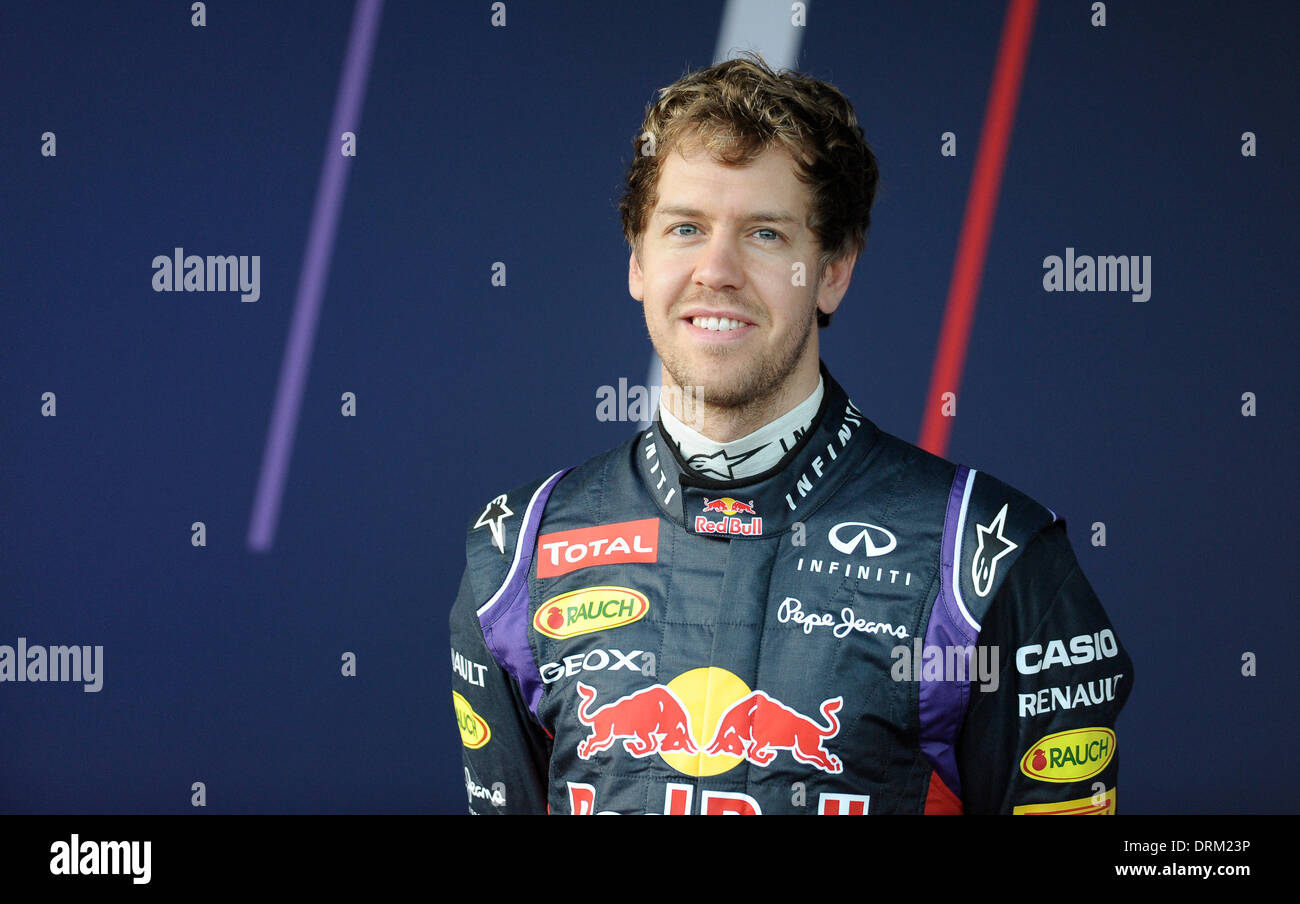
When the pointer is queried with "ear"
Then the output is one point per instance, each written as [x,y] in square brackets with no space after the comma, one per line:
[835,282]
[635,279]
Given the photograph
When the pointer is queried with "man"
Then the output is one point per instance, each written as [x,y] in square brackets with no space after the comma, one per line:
[776,607]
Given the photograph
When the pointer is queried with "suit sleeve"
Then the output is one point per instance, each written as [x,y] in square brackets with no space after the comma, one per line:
[1043,739]
[506,752]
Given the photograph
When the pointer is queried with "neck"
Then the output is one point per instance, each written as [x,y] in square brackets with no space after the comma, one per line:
[754,453]
[724,425]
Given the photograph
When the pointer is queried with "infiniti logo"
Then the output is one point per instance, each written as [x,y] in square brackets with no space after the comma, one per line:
[876,541]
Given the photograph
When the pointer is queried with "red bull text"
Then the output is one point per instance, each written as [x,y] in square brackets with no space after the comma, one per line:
[730,524]
[678,801]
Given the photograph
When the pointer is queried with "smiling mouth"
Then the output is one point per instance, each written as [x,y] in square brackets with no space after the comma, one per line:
[718,324]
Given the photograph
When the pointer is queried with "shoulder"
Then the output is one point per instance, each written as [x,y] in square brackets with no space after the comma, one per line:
[993,524]
[987,522]
[493,533]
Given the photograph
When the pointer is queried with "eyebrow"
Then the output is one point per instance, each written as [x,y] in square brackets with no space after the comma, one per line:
[767,216]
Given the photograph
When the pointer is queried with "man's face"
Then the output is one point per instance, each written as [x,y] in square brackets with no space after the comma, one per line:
[717,277]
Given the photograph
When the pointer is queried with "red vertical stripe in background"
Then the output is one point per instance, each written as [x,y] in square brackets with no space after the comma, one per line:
[977,223]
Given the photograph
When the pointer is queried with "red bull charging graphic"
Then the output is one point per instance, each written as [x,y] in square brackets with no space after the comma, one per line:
[648,721]
[757,726]
[705,722]
[731,522]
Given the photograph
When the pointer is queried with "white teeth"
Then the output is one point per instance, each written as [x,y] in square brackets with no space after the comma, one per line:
[717,324]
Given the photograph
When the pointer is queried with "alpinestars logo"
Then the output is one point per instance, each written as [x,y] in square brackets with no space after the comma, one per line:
[993,545]
[720,464]
[493,519]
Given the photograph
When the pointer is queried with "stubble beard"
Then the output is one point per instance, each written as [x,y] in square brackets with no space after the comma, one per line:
[748,391]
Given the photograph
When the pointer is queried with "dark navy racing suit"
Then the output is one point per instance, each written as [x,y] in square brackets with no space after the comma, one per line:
[864,629]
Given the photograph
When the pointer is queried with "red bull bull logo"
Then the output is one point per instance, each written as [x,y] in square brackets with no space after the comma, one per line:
[648,721]
[730,523]
[705,722]
[757,726]
[728,506]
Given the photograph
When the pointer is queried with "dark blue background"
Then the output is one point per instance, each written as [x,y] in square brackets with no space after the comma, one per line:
[483,144]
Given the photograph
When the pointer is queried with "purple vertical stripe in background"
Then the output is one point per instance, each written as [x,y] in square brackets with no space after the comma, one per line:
[311,281]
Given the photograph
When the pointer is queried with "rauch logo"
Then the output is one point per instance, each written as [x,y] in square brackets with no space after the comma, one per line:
[474,732]
[589,609]
[1069,756]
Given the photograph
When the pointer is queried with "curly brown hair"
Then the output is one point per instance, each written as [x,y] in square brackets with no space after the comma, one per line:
[737,110]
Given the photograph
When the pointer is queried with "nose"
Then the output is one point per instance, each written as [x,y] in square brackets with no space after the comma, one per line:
[719,266]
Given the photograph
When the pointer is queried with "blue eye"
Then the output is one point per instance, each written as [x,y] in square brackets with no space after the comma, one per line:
[774,236]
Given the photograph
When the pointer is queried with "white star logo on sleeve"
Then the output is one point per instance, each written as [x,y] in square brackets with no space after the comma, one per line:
[492,518]
[993,545]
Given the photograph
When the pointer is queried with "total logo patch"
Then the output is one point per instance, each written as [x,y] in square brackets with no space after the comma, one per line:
[1069,756]
[474,731]
[589,609]
[606,544]
[731,522]
[705,722]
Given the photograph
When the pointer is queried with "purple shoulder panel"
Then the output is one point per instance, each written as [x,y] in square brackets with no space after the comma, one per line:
[943,702]
[504,617]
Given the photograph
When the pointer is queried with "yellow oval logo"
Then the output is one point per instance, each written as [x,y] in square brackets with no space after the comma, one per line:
[1097,805]
[589,609]
[474,732]
[1069,756]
